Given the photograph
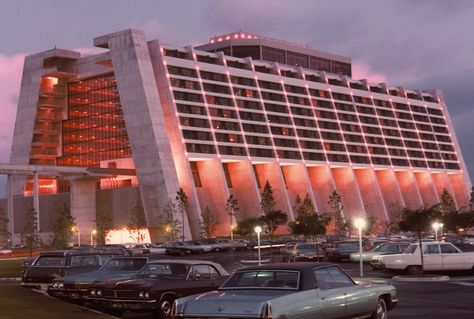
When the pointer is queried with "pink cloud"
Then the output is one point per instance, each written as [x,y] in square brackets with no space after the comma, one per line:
[11,67]
[361,70]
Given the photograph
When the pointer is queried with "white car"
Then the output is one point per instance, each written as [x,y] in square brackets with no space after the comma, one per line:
[5,251]
[437,256]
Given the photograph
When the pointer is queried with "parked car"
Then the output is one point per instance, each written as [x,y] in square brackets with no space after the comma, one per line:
[306,252]
[75,286]
[296,290]
[240,244]
[59,263]
[436,256]
[381,249]
[137,249]
[5,251]
[340,250]
[215,245]
[158,285]
[205,248]
[183,248]
[285,250]
[464,247]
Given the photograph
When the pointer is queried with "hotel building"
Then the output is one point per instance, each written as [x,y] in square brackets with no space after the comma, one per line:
[223,118]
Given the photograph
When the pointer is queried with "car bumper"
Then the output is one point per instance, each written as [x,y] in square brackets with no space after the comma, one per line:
[393,303]
[377,264]
[35,285]
[67,293]
[124,304]
[309,258]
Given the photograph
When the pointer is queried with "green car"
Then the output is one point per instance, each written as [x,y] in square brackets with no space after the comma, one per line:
[382,249]
[290,290]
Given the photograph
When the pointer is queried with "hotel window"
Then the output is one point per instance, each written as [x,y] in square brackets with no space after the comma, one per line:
[232,150]
[272,54]
[288,154]
[216,112]
[194,122]
[345,107]
[297,59]
[270,85]
[342,97]
[279,119]
[314,78]
[285,142]
[338,158]
[208,59]
[402,107]
[252,51]
[286,131]
[328,125]
[197,135]
[295,89]
[341,68]
[218,100]
[242,81]
[314,156]
[177,54]
[221,89]
[304,122]
[200,148]
[321,104]
[195,172]
[252,116]
[365,110]
[298,100]
[182,71]
[186,96]
[249,104]
[319,64]
[259,140]
[273,96]
[307,133]
[319,93]
[246,93]
[184,84]
[254,128]
[213,76]
[380,161]
[228,138]
[191,109]
[354,138]
[222,125]
[278,108]
[360,159]
[261,152]
[311,145]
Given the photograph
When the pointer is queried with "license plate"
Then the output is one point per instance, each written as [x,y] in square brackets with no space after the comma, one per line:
[310,257]
[117,305]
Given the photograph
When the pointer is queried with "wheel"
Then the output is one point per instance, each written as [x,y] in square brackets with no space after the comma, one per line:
[414,270]
[380,311]
[182,253]
[217,250]
[165,307]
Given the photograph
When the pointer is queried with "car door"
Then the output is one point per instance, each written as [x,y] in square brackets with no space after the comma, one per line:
[332,298]
[453,259]
[432,257]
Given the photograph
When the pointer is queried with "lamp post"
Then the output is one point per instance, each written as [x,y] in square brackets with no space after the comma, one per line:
[360,223]
[441,225]
[258,230]
[436,226]
[93,234]
[232,226]
[76,229]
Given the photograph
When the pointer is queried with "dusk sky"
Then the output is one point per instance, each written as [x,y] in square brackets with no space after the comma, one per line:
[411,43]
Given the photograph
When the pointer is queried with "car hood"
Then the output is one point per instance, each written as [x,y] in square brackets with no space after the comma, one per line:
[229,302]
[132,284]
[96,276]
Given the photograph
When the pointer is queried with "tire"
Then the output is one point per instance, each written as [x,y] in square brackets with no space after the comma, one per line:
[380,311]
[165,307]
[217,250]
[182,253]
[414,270]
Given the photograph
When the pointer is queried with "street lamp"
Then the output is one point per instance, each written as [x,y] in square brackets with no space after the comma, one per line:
[258,230]
[437,226]
[360,223]
[232,226]
[93,234]
[76,229]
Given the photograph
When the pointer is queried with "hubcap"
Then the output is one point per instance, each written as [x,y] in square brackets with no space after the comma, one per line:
[381,312]
[166,308]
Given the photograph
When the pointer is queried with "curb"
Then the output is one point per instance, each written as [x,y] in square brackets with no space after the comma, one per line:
[421,279]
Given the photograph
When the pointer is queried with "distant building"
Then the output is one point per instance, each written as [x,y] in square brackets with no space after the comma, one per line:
[225,117]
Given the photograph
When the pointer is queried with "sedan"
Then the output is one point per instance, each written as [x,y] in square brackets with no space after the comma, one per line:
[75,286]
[304,251]
[297,290]
[157,286]
[382,249]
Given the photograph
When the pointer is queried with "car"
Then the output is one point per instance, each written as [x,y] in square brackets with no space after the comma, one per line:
[48,265]
[464,247]
[183,248]
[387,248]
[290,290]
[5,251]
[74,287]
[240,244]
[137,249]
[157,286]
[437,256]
[306,251]
[340,250]
[205,248]
[159,249]
[215,245]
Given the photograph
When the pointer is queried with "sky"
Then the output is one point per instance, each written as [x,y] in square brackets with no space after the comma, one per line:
[411,43]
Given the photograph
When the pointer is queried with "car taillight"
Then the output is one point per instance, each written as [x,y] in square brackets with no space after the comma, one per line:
[267,312]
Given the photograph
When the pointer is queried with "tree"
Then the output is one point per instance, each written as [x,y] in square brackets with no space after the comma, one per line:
[246,227]
[208,223]
[272,220]
[335,203]
[103,222]
[137,221]
[447,204]
[373,225]
[4,233]
[170,225]
[62,226]
[182,201]
[418,221]
[267,203]
[29,233]
[232,208]
[297,205]
[471,200]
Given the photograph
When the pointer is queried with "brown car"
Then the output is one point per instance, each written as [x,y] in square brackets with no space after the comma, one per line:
[157,286]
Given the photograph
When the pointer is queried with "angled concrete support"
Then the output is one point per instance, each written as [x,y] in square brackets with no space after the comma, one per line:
[370,192]
[323,186]
[442,182]
[460,188]
[427,188]
[346,185]
[390,190]
[298,183]
[409,189]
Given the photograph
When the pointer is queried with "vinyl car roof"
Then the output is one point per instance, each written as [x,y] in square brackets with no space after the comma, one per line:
[298,266]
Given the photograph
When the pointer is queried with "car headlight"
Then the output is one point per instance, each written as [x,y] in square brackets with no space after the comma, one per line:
[99,292]
[92,292]
[144,294]
[61,285]
[140,294]
[55,284]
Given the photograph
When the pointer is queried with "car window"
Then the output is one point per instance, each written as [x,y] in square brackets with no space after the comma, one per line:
[104,258]
[431,249]
[83,261]
[204,272]
[125,264]
[270,279]
[410,249]
[332,278]
[347,245]
[50,261]
[177,270]
[448,249]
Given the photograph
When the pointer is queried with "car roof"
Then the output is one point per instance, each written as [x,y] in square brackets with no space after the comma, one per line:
[76,252]
[183,261]
[297,266]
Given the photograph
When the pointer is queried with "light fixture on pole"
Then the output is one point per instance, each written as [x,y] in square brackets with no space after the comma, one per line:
[93,234]
[76,229]
[436,226]
[232,227]
[258,230]
[360,223]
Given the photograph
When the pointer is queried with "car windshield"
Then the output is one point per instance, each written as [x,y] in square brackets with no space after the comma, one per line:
[382,248]
[306,247]
[124,264]
[349,245]
[263,279]
[165,270]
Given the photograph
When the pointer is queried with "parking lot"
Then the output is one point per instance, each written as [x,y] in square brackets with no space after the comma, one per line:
[447,299]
